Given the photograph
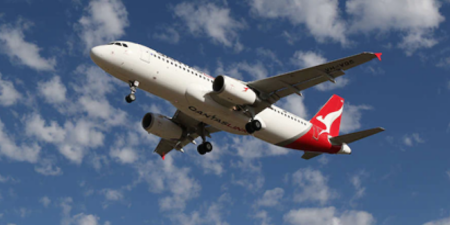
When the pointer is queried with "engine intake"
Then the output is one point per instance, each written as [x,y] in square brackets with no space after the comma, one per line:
[161,126]
[233,91]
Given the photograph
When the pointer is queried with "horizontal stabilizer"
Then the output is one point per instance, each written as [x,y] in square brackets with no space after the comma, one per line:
[349,138]
[310,155]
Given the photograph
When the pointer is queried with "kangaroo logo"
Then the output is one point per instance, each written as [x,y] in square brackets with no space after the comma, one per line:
[329,120]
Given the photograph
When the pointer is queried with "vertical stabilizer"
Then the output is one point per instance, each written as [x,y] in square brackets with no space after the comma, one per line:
[329,116]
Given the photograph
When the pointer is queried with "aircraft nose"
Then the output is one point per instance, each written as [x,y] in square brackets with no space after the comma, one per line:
[97,54]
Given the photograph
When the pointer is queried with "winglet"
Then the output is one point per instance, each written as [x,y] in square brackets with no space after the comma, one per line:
[378,55]
[163,156]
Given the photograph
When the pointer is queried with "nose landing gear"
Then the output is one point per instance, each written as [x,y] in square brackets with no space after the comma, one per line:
[133,86]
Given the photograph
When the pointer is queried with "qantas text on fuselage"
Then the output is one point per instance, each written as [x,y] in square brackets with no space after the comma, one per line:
[207,105]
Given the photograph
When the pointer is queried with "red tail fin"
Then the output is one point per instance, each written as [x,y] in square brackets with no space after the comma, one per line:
[329,116]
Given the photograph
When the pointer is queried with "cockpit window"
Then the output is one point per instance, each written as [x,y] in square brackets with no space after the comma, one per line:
[117,43]
[125,45]
[111,43]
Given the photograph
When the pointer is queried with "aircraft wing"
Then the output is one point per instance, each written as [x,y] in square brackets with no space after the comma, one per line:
[192,127]
[294,82]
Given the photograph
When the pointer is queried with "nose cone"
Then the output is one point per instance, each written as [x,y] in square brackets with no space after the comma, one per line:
[97,54]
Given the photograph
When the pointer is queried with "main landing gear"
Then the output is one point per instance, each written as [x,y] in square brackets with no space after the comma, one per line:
[205,146]
[131,97]
[253,126]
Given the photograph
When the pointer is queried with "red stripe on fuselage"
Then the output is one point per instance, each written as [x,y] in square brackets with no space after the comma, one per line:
[312,141]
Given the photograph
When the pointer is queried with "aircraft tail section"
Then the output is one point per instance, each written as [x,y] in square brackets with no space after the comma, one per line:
[349,138]
[329,116]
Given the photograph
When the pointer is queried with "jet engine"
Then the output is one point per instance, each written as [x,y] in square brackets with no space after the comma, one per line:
[233,91]
[161,126]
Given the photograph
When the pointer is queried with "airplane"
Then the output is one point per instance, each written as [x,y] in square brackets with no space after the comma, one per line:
[206,105]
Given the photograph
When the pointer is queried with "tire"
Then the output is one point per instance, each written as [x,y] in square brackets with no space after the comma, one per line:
[249,128]
[256,125]
[208,146]
[201,149]
[130,98]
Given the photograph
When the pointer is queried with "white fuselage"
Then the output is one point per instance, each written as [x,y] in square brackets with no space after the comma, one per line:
[187,89]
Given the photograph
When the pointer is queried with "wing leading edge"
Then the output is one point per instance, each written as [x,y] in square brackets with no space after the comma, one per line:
[293,82]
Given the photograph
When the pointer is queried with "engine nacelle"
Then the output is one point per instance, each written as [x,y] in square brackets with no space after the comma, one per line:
[161,126]
[233,91]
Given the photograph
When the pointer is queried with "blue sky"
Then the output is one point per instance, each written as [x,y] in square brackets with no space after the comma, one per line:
[72,152]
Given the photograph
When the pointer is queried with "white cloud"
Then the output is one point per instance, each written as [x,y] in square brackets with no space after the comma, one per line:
[103,21]
[211,163]
[416,18]
[295,104]
[14,45]
[169,35]
[46,167]
[321,17]
[311,185]
[212,20]
[6,179]
[412,139]
[444,221]
[78,219]
[263,216]
[356,181]
[35,126]
[269,54]
[112,195]
[8,94]
[103,110]
[211,214]
[310,59]
[271,198]
[45,201]
[83,219]
[73,140]
[124,155]
[351,117]
[249,147]
[328,216]
[11,150]
[53,90]
[307,59]
[180,186]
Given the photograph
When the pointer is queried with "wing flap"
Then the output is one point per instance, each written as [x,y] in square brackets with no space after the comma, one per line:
[307,84]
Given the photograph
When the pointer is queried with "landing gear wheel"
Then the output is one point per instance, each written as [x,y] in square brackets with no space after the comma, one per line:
[204,148]
[252,126]
[201,149]
[208,146]
[256,125]
[130,98]
[249,128]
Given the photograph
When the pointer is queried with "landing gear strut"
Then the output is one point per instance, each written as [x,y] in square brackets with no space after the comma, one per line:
[131,97]
[205,146]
